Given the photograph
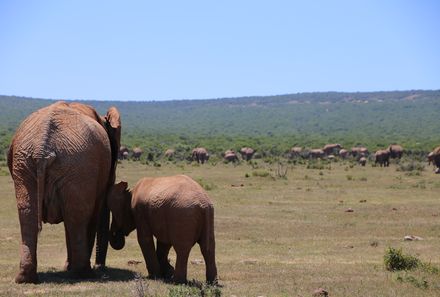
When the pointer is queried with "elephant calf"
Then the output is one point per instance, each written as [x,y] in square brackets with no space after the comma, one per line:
[175,210]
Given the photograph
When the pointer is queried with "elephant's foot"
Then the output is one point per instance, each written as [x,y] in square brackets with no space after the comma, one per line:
[85,273]
[167,272]
[179,280]
[27,278]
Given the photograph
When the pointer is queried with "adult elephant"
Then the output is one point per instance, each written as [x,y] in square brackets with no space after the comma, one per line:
[173,209]
[359,151]
[382,157]
[316,153]
[434,157]
[396,151]
[200,154]
[295,152]
[169,154]
[230,156]
[331,149]
[247,153]
[62,160]
[123,153]
[343,153]
[137,153]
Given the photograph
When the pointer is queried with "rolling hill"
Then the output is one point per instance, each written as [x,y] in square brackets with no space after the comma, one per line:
[270,123]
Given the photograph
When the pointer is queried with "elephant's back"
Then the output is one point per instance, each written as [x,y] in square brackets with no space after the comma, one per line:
[176,191]
[176,207]
[61,131]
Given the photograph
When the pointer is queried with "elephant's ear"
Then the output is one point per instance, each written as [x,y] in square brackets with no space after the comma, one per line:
[113,127]
[113,122]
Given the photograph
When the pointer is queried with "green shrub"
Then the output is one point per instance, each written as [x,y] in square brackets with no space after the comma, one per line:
[194,291]
[410,166]
[260,173]
[208,186]
[395,260]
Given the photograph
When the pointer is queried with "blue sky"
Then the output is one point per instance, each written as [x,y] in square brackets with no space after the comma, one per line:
[162,50]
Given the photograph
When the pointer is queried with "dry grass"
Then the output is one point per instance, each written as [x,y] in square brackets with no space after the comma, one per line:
[275,236]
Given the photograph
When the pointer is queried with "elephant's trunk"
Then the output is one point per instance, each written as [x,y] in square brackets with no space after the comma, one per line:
[102,236]
[116,236]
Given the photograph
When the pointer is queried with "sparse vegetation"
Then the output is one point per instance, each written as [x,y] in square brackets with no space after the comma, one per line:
[260,173]
[294,230]
[396,260]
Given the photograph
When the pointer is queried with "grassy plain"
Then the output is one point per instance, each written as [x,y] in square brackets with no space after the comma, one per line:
[275,236]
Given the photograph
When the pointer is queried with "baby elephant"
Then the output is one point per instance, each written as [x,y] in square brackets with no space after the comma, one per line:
[175,210]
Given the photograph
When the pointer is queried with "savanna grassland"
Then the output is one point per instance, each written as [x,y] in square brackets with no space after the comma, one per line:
[276,235]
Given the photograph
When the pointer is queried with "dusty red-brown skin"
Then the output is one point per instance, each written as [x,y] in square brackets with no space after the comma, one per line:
[62,165]
[177,212]
[396,151]
[247,153]
[230,156]
[382,157]
[332,148]
[200,154]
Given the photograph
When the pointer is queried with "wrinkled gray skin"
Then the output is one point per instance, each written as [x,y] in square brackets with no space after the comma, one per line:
[200,154]
[382,157]
[177,212]
[63,160]
[396,151]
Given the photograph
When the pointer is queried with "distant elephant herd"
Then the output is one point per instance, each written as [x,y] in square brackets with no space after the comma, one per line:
[63,161]
[329,151]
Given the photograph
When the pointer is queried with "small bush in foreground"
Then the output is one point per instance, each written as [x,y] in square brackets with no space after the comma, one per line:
[190,291]
[395,260]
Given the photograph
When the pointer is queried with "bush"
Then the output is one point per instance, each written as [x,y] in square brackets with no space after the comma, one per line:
[191,291]
[206,185]
[411,166]
[395,260]
[260,173]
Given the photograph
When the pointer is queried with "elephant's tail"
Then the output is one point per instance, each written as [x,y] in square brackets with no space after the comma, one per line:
[42,165]
[209,228]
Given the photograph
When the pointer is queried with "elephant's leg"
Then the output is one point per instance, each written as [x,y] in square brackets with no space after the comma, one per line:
[162,252]
[146,242]
[181,264]
[28,217]
[209,257]
[78,238]
[91,234]
[208,252]
[69,256]
[28,246]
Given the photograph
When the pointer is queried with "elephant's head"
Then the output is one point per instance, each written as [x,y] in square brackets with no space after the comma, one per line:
[119,203]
